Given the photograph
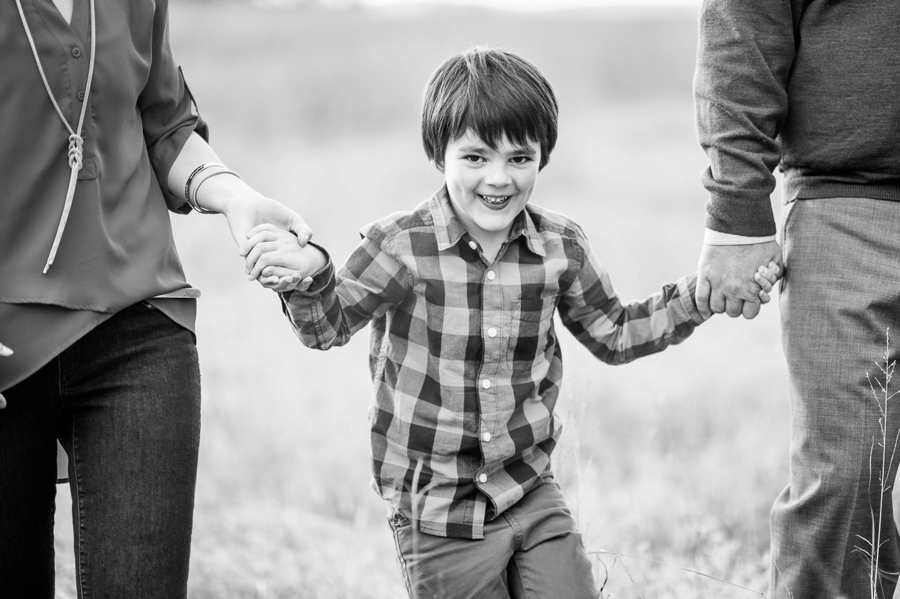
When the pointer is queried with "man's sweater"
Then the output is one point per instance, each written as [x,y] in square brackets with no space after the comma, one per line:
[812,85]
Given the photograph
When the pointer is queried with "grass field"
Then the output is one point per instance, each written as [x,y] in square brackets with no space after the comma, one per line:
[675,458]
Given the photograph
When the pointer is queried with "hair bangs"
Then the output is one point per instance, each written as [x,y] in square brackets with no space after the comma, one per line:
[493,93]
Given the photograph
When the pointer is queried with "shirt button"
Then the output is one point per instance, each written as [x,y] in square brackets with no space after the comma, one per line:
[486,437]
[491,275]
[492,332]
[486,384]
[76,52]
[482,478]
[84,134]
[80,95]
[473,245]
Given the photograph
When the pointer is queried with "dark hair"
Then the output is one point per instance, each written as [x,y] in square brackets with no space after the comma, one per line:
[493,93]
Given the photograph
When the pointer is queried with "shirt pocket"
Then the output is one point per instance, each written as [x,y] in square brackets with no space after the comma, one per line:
[529,324]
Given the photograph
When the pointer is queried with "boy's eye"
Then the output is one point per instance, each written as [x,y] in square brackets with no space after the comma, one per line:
[473,158]
[520,159]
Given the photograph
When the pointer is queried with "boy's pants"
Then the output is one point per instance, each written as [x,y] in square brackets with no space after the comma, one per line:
[840,294]
[532,550]
[124,400]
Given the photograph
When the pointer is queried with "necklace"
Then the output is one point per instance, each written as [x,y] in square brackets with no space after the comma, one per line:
[75,139]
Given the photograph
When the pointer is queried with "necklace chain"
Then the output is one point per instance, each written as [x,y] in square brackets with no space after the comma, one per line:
[76,141]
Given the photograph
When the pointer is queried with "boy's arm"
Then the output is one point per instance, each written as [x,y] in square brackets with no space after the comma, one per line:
[618,333]
[338,305]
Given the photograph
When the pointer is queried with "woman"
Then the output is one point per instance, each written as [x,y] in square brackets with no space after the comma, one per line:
[98,137]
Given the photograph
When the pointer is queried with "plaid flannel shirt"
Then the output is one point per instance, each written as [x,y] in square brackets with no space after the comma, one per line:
[464,357]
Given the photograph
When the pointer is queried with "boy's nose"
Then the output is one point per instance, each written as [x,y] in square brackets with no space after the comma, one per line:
[498,176]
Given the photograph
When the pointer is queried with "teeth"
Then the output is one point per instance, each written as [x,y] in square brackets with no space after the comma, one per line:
[495,199]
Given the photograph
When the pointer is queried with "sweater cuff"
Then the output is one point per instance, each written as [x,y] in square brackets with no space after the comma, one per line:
[736,215]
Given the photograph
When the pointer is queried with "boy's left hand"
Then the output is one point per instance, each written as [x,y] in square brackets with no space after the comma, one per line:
[766,278]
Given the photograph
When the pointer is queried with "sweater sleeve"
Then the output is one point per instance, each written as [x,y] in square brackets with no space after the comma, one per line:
[744,58]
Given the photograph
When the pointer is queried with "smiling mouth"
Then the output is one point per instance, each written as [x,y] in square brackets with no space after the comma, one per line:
[494,200]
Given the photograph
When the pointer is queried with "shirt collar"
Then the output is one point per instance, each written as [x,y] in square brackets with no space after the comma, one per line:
[449,230]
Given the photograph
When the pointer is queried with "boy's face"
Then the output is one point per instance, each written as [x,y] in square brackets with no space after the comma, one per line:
[488,188]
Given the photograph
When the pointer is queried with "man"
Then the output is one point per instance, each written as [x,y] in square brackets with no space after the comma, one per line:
[813,86]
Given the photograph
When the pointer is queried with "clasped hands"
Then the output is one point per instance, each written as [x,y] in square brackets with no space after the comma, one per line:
[731,278]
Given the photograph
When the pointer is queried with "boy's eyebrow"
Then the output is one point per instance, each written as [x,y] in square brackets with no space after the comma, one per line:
[473,148]
[483,148]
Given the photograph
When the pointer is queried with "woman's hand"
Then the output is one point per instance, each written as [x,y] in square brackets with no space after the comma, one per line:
[243,206]
[4,352]
[246,209]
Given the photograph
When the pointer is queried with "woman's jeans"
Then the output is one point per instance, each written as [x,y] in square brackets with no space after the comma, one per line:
[124,401]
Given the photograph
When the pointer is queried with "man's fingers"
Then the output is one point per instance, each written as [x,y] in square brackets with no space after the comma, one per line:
[701,296]
[750,310]
[717,302]
[2,401]
[764,297]
[733,307]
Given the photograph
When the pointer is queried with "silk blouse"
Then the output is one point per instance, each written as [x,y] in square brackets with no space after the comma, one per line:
[117,248]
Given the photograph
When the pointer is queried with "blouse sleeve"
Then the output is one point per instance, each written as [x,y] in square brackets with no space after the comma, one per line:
[168,110]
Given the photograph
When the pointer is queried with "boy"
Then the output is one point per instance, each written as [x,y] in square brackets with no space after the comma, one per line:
[461,292]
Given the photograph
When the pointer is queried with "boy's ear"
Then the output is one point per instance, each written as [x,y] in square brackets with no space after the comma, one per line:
[434,163]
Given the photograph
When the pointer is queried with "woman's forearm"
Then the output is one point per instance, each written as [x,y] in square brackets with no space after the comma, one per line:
[226,193]
[216,192]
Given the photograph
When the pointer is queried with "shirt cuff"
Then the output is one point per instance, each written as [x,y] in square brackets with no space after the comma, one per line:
[711,237]
[687,289]
[321,280]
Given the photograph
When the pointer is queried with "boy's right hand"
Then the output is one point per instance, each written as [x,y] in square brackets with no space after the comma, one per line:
[275,258]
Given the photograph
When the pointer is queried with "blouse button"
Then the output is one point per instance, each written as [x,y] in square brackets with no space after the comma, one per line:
[473,245]
[492,332]
[486,437]
[486,384]
[491,275]
[482,478]
[76,52]
[80,95]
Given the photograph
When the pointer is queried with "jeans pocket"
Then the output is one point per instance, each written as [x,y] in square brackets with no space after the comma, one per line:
[398,521]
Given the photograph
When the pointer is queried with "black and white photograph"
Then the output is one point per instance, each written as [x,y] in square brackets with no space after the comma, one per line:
[449,299]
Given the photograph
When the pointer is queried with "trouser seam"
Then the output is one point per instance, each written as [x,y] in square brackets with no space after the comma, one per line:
[404,566]
[76,488]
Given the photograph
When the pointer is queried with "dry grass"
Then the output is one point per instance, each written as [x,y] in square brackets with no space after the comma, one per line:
[679,455]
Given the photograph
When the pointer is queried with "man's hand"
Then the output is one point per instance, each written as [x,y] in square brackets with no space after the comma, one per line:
[4,352]
[725,278]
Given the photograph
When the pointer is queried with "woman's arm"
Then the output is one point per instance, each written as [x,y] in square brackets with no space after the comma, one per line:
[227,194]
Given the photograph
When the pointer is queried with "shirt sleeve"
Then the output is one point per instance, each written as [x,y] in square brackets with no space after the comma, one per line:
[744,58]
[618,333]
[168,110]
[337,306]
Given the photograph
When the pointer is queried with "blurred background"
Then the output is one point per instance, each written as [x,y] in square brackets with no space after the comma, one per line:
[672,461]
